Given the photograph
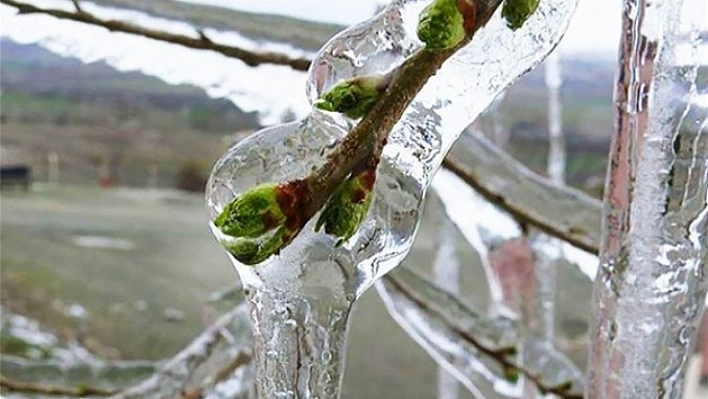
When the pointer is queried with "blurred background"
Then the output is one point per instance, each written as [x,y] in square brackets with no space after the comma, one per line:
[108,140]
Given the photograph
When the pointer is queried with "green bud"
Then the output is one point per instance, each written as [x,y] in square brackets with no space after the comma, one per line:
[509,351]
[516,12]
[511,374]
[252,214]
[353,97]
[441,25]
[347,207]
[563,387]
[251,251]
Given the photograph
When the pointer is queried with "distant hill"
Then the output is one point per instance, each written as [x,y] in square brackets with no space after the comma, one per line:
[31,73]
[40,87]
[307,35]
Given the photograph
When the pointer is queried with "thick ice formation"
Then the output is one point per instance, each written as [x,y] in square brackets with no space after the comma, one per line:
[312,281]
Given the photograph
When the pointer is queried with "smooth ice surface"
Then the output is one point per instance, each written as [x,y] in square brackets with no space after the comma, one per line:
[652,283]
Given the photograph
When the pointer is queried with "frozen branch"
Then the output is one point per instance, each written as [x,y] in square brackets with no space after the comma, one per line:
[484,336]
[107,375]
[172,379]
[561,212]
[243,358]
[10,385]
[250,58]
[293,203]
[169,381]
[582,231]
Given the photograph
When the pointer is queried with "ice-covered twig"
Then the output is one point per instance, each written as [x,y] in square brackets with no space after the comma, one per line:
[446,269]
[241,359]
[106,375]
[561,212]
[11,385]
[250,58]
[174,376]
[475,337]
[274,214]
[171,379]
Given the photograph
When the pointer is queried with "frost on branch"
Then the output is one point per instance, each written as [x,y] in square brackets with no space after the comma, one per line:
[651,286]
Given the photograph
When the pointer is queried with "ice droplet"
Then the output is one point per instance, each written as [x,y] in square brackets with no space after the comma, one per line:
[460,90]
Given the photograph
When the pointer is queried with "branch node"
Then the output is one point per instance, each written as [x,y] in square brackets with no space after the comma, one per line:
[203,36]
[77,6]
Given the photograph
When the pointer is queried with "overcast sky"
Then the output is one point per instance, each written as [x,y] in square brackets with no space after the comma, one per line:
[595,27]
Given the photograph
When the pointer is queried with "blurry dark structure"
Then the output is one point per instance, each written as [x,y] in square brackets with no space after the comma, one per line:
[16,175]
[191,177]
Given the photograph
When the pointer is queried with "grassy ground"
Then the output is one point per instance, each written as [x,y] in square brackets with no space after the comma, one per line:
[174,263]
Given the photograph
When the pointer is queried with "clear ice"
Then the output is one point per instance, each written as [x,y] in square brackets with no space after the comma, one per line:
[301,298]
[651,286]
[501,249]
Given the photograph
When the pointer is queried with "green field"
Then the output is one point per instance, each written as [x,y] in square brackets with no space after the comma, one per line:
[174,263]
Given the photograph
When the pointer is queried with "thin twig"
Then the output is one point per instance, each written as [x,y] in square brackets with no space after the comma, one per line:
[77,6]
[250,58]
[181,367]
[366,140]
[242,359]
[35,388]
[176,371]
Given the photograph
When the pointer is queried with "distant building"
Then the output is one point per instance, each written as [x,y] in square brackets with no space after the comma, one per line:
[15,169]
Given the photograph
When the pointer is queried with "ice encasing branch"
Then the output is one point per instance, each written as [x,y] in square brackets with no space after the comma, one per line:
[249,57]
[522,210]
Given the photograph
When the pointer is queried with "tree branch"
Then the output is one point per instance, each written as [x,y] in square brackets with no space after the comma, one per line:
[110,375]
[223,373]
[35,388]
[176,373]
[559,211]
[171,379]
[250,58]
[361,148]
[503,356]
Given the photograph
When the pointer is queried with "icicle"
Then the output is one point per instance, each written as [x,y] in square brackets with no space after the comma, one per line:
[547,251]
[447,276]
